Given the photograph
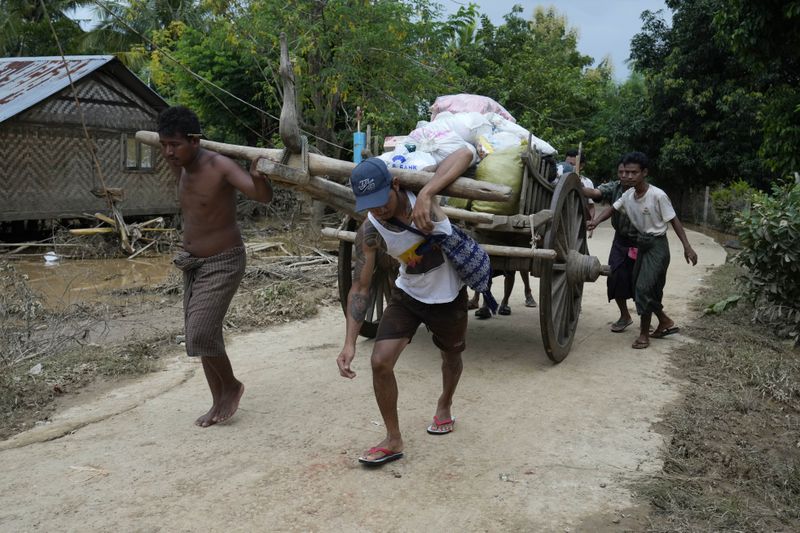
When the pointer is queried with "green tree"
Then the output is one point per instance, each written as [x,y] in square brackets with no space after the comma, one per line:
[767,37]
[703,120]
[533,68]
[385,56]
[25,27]
[127,28]
[619,125]
[203,69]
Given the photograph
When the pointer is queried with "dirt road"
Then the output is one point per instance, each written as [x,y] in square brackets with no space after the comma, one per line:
[537,447]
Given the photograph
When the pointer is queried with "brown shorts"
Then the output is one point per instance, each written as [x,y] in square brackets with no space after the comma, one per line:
[447,322]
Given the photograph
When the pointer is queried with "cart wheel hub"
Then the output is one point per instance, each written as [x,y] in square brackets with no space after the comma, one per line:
[582,268]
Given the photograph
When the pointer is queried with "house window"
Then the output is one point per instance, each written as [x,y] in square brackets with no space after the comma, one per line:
[136,155]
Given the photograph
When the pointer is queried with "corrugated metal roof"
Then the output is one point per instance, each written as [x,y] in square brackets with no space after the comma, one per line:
[26,81]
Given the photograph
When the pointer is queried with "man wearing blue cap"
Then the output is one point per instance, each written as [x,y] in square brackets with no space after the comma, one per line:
[427,290]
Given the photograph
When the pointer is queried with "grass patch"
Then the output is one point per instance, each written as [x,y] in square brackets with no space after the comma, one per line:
[732,461]
[28,388]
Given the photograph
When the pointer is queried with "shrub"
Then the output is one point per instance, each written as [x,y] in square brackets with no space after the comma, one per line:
[770,237]
[730,201]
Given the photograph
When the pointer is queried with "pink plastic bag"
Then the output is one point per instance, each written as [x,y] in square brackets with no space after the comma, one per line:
[633,253]
[459,103]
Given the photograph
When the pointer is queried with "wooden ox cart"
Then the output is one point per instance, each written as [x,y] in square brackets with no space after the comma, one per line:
[547,238]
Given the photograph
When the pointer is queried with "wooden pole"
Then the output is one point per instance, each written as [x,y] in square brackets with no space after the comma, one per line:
[491,249]
[319,165]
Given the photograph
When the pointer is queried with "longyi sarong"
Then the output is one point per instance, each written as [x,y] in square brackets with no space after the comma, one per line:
[209,284]
[620,279]
[650,272]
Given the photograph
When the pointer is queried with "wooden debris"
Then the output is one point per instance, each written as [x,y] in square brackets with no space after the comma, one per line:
[142,249]
[107,220]
[92,231]
[261,246]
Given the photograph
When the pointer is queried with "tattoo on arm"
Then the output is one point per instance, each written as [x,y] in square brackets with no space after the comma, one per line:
[372,239]
[367,238]
[358,307]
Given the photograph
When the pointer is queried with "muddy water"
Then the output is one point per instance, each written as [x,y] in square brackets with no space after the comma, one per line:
[68,282]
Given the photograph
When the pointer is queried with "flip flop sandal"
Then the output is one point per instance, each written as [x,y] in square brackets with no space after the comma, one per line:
[661,333]
[620,325]
[483,313]
[529,301]
[433,429]
[637,345]
[504,310]
[388,456]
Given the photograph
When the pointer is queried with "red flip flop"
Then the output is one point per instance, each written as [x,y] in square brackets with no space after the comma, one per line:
[434,429]
[388,456]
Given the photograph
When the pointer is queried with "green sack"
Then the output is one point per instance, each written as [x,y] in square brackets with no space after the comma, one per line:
[460,203]
[503,167]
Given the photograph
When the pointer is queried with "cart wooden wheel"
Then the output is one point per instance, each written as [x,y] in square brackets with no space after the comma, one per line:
[380,290]
[561,285]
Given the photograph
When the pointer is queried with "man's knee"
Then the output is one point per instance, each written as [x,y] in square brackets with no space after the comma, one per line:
[198,338]
[382,363]
[451,358]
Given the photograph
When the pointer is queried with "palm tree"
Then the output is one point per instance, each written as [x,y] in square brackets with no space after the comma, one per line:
[123,26]
[462,28]
[25,27]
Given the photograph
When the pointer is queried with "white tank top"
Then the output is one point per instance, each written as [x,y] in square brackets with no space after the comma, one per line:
[429,278]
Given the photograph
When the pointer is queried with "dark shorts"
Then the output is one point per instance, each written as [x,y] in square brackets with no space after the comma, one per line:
[447,321]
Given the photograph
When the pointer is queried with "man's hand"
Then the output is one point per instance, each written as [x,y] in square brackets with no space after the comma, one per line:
[421,215]
[591,225]
[253,169]
[690,255]
[343,362]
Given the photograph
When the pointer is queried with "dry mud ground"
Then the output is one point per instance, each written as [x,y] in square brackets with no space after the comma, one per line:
[537,447]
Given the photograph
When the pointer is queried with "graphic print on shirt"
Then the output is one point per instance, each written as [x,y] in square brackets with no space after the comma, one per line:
[417,263]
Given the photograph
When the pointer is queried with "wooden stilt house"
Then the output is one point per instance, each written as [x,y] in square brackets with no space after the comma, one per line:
[47,137]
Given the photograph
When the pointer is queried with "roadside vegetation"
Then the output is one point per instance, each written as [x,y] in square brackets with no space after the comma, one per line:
[732,460]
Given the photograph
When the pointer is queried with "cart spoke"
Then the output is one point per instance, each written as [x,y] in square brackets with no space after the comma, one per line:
[566,318]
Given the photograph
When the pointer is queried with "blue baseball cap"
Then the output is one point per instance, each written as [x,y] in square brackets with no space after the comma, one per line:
[371,182]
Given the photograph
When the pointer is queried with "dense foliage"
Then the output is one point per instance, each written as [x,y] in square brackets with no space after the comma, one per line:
[730,201]
[713,97]
[770,235]
[723,96]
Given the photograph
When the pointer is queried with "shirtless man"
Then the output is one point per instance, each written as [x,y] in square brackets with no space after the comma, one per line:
[213,260]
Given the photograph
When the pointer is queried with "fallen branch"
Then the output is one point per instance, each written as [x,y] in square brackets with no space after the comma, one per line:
[142,249]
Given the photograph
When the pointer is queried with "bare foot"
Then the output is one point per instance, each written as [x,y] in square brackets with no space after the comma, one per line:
[207,419]
[228,404]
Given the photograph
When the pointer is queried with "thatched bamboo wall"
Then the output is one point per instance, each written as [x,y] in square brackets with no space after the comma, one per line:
[46,170]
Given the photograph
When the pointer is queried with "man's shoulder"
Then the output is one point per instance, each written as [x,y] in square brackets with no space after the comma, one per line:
[609,186]
[217,160]
[627,193]
[370,235]
[656,192]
